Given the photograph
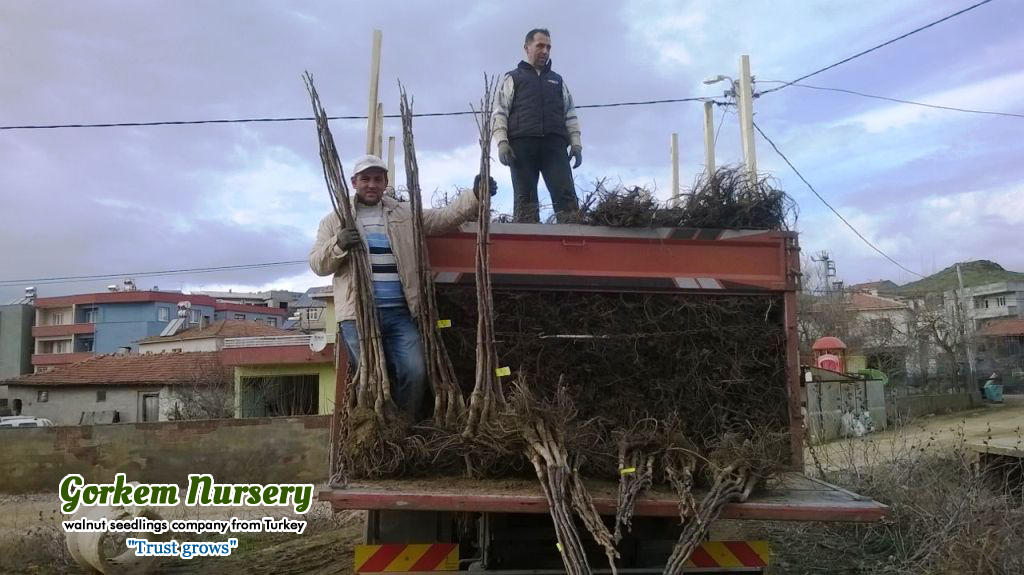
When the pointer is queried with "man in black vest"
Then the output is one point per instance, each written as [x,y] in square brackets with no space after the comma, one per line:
[534,122]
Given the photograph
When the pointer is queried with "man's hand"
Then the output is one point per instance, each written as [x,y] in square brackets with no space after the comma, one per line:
[492,186]
[577,153]
[505,154]
[348,238]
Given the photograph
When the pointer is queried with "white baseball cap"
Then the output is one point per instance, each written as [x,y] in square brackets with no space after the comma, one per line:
[368,162]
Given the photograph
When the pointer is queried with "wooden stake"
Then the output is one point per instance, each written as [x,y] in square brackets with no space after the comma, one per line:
[378,139]
[371,116]
[391,161]
[709,138]
[674,154]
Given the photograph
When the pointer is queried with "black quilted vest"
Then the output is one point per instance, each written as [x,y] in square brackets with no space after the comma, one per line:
[537,108]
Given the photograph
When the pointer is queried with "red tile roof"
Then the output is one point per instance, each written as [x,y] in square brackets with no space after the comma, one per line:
[133,369]
[1003,328]
[865,302]
[220,329]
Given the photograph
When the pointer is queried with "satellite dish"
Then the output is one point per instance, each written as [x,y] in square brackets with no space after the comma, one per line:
[318,341]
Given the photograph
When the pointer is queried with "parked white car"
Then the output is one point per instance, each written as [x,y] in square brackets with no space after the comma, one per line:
[24,421]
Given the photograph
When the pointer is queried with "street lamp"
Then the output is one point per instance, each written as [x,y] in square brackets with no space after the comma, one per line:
[731,92]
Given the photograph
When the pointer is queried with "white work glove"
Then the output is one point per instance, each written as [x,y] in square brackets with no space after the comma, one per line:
[577,153]
[505,153]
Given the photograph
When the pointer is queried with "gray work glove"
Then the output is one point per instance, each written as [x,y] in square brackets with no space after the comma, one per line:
[492,186]
[348,238]
[577,153]
[505,154]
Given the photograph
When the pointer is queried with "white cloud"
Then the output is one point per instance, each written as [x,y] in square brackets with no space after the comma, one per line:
[267,187]
[994,207]
[706,36]
[1004,92]
[934,232]
[298,282]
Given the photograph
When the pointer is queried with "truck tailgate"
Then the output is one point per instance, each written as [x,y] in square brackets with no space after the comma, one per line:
[790,496]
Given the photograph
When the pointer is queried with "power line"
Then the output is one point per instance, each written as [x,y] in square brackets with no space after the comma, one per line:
[72,279]
[310,118]
[882,45]
[897,100]
[829,206]
[720,122]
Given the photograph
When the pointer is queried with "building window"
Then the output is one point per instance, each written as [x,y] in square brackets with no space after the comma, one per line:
[101,395]
[313,313]
[881,328]
[42,396]
[986,304]
[91,315]
[175,350]
[272,321]
[57,318]
[163,314]
[258,320]
[1001,301]
[193,316]
[57,346]
[87,344]
[239,316]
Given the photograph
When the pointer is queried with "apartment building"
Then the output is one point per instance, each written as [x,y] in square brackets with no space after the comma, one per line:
[74,328]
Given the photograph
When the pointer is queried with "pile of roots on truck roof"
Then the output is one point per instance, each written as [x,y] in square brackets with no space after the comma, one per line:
[641,389]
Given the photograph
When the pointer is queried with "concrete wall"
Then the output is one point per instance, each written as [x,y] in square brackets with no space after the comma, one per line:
[64,405]
[827,401]
[16,340]
[267,318]
[280,450]
[904,408]
[187,345]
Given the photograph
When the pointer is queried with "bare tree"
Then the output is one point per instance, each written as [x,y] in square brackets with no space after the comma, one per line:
[208,392]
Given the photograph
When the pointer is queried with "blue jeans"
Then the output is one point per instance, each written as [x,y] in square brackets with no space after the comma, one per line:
[403,350]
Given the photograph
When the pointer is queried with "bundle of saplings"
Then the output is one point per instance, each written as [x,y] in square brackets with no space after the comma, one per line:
[728,198]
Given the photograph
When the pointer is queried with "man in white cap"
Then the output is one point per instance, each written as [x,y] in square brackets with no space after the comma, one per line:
[384,228]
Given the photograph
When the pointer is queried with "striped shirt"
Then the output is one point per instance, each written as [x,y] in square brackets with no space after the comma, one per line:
[387,287]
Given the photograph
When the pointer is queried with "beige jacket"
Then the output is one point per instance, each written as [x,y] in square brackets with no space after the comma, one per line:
[326,258]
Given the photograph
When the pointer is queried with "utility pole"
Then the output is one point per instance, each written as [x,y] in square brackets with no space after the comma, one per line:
[968,331]
[709,138]
[674,156]
[745,97]
[829,269]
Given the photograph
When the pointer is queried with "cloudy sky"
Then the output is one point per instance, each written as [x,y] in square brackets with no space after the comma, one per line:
[929,187]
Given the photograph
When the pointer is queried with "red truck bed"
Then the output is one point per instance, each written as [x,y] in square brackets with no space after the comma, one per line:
[791,496]
[572,257]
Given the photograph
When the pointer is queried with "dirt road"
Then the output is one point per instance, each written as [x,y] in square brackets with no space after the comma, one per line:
[940,432]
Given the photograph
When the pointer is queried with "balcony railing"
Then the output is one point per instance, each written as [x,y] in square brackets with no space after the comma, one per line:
[62,329]
[270,341]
